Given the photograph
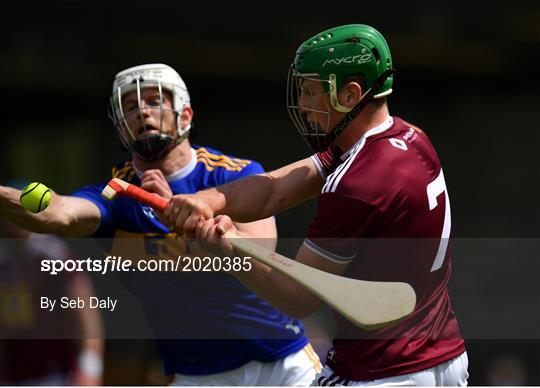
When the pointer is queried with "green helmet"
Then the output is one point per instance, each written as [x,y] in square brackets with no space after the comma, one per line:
[344,50]
[330,56]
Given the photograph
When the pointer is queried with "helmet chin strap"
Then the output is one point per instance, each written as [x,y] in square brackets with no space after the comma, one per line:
[361,105]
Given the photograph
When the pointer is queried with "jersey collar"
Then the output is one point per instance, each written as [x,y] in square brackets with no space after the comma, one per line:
[179,174]
[373,131]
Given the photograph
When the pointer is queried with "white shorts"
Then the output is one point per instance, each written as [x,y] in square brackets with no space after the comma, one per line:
[450,373]
[297,369]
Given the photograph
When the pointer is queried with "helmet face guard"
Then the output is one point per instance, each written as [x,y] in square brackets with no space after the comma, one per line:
[150,145]
[330,57]
[300,105]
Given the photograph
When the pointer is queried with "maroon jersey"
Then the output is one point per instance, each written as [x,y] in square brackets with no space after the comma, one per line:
[384,210]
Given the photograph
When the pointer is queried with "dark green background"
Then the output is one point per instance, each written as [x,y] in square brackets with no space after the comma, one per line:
[466,74]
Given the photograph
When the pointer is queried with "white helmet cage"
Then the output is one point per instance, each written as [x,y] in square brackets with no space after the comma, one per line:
[155,75]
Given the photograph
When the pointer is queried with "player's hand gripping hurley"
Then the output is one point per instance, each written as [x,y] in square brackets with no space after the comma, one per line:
[368,304]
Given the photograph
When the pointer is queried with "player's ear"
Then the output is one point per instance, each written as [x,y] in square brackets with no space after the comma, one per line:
[350,94]
[187,116]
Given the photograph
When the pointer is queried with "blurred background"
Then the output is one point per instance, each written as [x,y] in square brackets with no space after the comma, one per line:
[466,74]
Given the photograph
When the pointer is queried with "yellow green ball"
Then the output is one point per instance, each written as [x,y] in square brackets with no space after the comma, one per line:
[35,197]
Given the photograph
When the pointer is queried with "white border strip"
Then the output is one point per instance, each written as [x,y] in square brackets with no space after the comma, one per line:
[327,255]
[319,166]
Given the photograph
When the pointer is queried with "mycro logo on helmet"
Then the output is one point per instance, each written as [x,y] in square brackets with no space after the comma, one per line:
[358,59]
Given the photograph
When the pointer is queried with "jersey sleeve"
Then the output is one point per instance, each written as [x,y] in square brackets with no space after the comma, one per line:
[326,161]
[339,226]
[92,193]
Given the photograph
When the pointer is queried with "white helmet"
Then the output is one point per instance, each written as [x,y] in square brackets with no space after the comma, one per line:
[155,75]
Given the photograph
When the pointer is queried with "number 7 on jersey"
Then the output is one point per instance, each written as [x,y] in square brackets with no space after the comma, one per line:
[434,189]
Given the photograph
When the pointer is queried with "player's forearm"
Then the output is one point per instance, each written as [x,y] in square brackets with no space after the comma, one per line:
[279,291]
[263,232]
[62,217]
[245,200]
[264,195]
[90,322]
[92,346]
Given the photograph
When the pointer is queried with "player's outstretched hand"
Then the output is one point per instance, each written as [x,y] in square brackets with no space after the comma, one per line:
[184,212]
[209,235]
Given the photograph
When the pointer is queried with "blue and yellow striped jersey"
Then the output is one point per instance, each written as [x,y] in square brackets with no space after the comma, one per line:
[204,322]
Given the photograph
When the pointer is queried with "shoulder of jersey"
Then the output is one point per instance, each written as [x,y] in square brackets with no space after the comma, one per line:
[124,170]
[397,138]
[213,160]
[376,162]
